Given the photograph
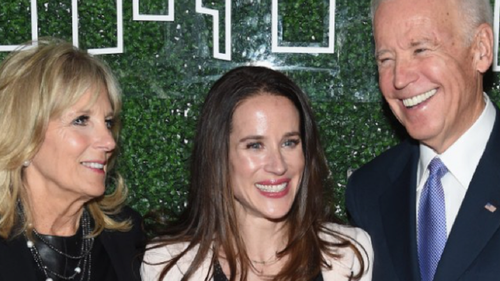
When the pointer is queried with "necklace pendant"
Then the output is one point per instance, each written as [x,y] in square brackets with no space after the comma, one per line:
[49,279]
[29,244]
[78,269]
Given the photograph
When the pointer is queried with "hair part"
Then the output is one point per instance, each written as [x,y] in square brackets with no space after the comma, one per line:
[38,82]
[210,220]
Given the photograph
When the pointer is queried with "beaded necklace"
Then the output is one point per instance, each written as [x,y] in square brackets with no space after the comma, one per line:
[84,258]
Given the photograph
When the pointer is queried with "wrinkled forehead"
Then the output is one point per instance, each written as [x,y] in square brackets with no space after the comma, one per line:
[442,11]
[414,21]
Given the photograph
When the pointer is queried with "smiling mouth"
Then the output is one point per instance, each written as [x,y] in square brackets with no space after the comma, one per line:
[93,165]
[272,188]
[416,100]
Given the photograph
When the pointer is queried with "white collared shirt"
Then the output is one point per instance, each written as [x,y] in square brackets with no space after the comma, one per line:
[461,159]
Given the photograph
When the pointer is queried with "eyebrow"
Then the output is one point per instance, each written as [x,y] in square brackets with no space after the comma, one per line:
[292,134]
[88,112]
[422,41]
[78,112]
[380,53]
[413,43]
[259,137]
[254,137]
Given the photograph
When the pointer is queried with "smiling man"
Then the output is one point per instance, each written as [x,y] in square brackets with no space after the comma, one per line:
[430,203]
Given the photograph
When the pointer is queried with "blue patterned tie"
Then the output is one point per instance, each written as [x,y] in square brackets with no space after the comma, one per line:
[431,221]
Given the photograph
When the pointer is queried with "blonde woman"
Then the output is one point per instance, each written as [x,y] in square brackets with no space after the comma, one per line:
[59,110]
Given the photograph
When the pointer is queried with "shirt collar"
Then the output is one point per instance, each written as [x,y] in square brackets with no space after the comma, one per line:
[459,159]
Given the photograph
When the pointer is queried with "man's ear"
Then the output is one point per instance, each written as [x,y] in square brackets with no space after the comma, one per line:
[483,47]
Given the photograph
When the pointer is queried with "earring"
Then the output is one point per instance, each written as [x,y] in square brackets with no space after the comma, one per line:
[26,163]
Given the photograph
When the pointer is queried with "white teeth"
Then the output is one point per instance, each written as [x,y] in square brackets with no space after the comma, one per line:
[93,165]
[419,99]
[271,188]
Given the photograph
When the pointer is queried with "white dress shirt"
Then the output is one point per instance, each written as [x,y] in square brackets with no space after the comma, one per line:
[461,159]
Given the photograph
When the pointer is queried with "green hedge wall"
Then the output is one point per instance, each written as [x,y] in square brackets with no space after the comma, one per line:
[167,67]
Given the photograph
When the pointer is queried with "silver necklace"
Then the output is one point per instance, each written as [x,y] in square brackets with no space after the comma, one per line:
[84,258]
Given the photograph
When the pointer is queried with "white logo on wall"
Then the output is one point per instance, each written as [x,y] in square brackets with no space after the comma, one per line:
[276,38]
[170,17]
[74,29]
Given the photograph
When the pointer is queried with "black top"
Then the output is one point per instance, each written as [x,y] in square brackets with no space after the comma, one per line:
[122,252]
[220,276]
[100,269]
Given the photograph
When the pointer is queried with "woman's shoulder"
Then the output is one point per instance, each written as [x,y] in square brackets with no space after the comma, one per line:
[158,254]
[348,262]
[155,258]
[349,232]
[156,251]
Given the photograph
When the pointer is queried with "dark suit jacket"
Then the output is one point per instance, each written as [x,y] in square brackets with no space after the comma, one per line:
[381,198]
[124,249]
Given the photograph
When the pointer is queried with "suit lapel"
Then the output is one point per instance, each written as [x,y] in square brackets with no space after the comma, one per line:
[475,225]
[398,213]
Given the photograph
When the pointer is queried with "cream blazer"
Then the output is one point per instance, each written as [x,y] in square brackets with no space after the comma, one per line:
[341,268]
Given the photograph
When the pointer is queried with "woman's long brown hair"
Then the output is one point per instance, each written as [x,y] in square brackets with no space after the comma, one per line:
[209,220]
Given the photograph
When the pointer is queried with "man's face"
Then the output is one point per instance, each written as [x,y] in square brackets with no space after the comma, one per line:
[428,74]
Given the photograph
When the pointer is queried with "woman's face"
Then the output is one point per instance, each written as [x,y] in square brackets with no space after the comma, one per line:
[266,157]
[72,161]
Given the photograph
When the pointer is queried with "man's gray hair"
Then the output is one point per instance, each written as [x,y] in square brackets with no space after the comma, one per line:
[474,13]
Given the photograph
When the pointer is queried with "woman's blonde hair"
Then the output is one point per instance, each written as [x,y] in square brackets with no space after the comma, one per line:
[37,83]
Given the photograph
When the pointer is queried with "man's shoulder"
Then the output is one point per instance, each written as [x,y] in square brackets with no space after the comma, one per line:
[389,159]
[374,176]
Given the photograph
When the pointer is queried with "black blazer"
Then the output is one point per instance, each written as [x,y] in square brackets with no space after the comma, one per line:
[124,249]
[381,198]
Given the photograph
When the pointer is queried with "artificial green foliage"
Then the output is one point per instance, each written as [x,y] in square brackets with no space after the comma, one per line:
[99,22]
[14,21]
[168,67]
[304,27]
[156,145]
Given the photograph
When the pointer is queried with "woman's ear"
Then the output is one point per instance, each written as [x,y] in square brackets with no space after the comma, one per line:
[483,47]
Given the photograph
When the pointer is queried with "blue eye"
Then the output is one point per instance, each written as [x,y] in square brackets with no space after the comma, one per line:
[110,123]
[81,120]
[254,145]
[291,142]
